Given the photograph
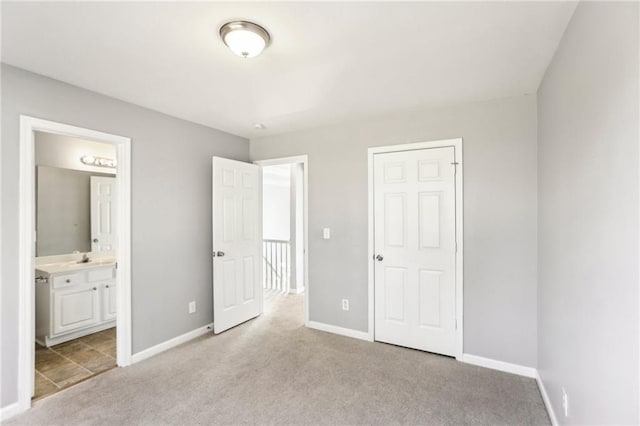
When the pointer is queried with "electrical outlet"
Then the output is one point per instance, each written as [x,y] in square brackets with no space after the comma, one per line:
[326,233]
[565,402]
[192,307]
[345,304]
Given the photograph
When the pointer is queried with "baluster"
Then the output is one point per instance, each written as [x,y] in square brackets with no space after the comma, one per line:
[278,265]
[286,268]
[273,277]
[269,265]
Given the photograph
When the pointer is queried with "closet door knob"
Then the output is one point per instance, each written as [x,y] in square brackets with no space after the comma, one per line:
[220,254]
[379,258]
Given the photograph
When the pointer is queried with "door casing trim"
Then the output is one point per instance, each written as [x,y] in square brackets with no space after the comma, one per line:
[457,145]
[26,273]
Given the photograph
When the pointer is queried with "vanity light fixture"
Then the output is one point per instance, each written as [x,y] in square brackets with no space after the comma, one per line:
[244,38]
[90,160]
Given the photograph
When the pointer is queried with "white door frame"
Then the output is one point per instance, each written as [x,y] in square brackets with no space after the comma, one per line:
[457,145]
[26,322]
[304,159]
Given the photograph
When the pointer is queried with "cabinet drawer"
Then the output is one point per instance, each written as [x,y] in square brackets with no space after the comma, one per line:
[102,274]
[61,281]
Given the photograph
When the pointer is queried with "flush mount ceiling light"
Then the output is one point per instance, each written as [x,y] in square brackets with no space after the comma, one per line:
[244,38]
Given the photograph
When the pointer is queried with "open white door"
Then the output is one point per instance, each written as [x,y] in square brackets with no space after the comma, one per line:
[237,243]
[103,213]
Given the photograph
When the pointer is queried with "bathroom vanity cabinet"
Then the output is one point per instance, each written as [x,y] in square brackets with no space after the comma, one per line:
[74,303]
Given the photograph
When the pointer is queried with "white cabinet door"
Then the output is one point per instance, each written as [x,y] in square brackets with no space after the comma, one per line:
[109,301]
[103,213]
[75,308]
[237,243]
[414,226]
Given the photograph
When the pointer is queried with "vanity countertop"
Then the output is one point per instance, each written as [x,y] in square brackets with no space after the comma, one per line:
[73,266]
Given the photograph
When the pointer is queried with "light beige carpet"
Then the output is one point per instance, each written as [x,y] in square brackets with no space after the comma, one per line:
[274,370]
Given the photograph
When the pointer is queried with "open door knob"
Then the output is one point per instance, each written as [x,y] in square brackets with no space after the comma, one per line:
[95,240]
[379,258]
[220,254]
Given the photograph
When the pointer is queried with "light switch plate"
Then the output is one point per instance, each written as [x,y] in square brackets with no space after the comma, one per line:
[326,233]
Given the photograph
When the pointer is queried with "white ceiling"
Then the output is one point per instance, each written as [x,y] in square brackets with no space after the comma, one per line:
[328,62]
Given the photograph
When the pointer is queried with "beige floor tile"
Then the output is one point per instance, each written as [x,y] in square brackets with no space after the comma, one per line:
[49,360]
[108,348]
[66,375]
[111,332]
[73,361]
[112,352]
[43,387]
[70,347]
[94,339]
[92,360]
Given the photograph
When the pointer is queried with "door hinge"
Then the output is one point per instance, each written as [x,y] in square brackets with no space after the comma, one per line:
[116,265]
[456,323]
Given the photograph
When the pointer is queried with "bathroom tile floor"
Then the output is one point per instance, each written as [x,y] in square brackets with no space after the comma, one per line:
[68,363]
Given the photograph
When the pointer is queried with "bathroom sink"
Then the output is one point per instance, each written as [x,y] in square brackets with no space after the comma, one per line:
[74,265]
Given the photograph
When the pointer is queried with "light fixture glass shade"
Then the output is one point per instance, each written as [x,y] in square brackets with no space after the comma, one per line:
[90,160]
[245,39]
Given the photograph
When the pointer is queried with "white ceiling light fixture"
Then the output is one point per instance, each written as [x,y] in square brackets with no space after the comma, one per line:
[245,39]
[90,160]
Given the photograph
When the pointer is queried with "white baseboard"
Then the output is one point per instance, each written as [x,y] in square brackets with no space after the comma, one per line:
[507,367]
[9,411]
[362,335]
[171,343]
[546,400]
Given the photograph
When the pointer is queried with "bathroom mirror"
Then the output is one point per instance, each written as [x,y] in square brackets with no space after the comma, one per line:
[74,200]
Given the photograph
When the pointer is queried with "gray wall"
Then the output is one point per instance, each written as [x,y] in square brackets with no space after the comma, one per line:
[588,217]
[499,216]
[171,206]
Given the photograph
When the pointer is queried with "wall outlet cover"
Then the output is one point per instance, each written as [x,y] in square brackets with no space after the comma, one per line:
[345,304]
[192,307]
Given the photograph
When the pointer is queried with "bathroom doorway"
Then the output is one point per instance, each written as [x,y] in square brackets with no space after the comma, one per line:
[75,275]
[284,227]
[76,248]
